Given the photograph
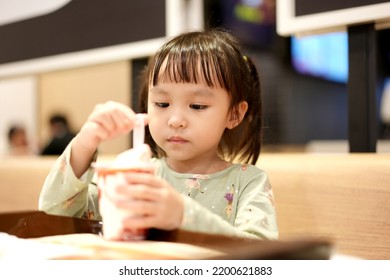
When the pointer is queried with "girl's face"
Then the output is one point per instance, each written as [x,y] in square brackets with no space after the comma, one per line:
[187,120]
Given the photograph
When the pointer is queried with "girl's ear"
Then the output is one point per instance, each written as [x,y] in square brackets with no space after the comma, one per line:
[237,115]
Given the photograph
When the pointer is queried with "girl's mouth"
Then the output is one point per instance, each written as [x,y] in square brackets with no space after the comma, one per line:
[177,139]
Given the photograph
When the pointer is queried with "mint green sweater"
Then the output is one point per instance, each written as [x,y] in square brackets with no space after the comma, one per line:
[237,201]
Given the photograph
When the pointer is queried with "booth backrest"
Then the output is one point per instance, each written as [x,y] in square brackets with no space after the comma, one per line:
[21,180]
[341,197]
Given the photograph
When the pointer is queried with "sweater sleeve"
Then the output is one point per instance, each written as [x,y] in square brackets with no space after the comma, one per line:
[64,194]
[255,215]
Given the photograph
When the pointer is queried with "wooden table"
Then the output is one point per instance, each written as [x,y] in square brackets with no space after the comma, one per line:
[81,239]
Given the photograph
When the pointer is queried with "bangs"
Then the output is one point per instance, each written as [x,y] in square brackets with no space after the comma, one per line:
[190,63]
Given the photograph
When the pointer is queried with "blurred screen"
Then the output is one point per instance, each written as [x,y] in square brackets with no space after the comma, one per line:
[324,56]
[252,21]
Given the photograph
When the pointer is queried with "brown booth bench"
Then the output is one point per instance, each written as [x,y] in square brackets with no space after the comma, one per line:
[344,197]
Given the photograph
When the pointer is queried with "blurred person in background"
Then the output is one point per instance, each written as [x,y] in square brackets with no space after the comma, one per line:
[18,143]
[61,135]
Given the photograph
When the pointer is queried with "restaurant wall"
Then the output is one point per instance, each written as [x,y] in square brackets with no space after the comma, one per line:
[75,93]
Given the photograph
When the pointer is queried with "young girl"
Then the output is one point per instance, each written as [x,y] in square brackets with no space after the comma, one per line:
[204,128]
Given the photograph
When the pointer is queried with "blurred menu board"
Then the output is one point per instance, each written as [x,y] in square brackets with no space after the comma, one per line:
[82,25]
[306,16]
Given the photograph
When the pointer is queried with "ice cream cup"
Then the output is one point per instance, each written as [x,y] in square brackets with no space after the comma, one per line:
[109,175]
[112,216]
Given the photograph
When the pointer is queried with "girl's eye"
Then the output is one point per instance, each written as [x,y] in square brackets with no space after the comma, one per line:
[161,104]
[198,106]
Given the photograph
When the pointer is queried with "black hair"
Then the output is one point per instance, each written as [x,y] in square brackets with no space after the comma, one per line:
[13,130]
[59,118]
[222,64]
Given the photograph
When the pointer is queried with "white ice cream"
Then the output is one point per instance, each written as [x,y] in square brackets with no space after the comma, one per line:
[138,157]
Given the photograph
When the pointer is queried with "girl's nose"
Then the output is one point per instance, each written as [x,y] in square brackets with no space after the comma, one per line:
[177,121]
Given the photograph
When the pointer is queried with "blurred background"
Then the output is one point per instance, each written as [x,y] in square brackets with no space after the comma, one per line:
[51,64]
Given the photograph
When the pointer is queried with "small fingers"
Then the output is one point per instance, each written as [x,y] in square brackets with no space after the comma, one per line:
[138,208]
[138,192]
[146,178]
[115,118]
